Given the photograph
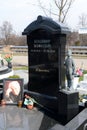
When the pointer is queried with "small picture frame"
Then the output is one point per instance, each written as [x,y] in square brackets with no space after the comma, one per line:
[13,90]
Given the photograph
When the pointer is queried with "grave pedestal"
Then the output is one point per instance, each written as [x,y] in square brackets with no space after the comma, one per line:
[46,42]
[68,106]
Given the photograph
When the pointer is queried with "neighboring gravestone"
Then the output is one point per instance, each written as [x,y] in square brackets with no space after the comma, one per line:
[46,41]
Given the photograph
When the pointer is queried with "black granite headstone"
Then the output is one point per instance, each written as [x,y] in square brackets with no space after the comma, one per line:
[46,41]
[68,105]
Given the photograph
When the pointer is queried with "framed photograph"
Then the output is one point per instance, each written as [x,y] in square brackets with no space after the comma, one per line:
[13,90]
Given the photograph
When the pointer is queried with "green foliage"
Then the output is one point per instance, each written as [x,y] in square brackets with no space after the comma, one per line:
[21,68]
[83,96]
[85,72]
[14,76]
[81,77]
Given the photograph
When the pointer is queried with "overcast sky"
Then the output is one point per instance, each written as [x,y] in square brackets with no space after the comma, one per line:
[20,13]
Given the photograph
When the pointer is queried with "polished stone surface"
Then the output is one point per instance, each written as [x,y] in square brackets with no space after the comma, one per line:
[78,122]
[14,118]
[68,106]
[3,68]
[46,42]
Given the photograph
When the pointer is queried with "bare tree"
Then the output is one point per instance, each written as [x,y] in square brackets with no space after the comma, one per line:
[62,8]
[83,20]
[73,38]
[8,36]
[18,40]
[83,29]
[5,32]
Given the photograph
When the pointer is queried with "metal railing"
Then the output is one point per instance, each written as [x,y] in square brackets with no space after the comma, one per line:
[79,50]
[19,49]
[76,50]
[16,49]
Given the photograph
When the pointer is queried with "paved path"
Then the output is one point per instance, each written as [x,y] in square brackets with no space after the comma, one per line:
[81,62]
[20,60]
[23,60]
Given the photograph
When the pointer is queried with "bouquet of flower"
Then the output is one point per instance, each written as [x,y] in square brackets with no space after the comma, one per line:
[8,57]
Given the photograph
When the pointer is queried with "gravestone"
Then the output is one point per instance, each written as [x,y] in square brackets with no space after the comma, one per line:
[46,41]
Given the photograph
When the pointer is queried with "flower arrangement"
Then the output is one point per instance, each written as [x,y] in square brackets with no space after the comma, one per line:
[83,98]
[29,102]
[8,57]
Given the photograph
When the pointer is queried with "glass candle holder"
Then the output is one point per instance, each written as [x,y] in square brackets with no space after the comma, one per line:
[20,103]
